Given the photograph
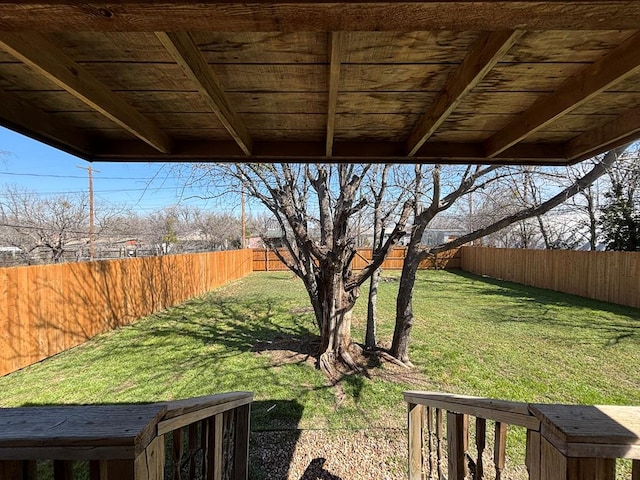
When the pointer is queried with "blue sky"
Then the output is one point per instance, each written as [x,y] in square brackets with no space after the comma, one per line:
[145,187]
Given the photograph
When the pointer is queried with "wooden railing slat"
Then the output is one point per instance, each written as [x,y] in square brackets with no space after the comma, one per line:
[532,459]
[431,443]
[193,448]
[455,441]
[481,443]
[177,450]
[500,448]
[415,426]
[218,448]
[241,443]
[635,470]
[439,442]
[63,470]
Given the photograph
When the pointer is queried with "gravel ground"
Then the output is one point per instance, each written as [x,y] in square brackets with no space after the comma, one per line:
[369,454]
[329,455]
[372,454]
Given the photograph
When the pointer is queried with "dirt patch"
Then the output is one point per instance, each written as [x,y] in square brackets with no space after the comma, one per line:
[330,455]
[372,453]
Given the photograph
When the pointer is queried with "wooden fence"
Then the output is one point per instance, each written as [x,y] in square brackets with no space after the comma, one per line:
[265,260]
[608,276]
[47,309]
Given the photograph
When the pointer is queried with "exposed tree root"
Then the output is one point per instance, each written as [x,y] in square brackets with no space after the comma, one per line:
[337,365]
[390,358]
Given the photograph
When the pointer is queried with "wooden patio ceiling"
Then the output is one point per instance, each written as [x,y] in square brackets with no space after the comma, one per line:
[546,82]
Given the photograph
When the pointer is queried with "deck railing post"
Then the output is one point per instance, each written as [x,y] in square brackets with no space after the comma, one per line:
[415,420]
[456,445]
[241,441]
[532,459]
[481,443]
[500,448]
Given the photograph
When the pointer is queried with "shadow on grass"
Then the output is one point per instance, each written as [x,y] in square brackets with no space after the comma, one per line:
[540,306]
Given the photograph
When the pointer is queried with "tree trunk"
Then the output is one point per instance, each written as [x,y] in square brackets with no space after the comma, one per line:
[404,303]
[370,335]
[593,223]
[335,333]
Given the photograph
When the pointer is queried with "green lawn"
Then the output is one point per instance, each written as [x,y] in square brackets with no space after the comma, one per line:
[471,335]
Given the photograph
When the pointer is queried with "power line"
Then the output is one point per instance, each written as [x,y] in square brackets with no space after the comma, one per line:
[51,175]
[69,192]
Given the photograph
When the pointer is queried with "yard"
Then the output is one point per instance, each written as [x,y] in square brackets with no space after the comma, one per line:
[472,335]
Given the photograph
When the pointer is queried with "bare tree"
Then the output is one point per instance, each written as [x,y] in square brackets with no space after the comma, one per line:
[220,231]
[470,180]
[386,200]
[33,223]
[315,206]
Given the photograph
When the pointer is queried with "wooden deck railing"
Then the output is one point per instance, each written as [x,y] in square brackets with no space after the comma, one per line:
[563,442]
[208,437]
[204,438]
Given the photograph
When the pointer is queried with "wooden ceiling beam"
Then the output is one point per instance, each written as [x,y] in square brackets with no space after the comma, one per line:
[624,129]
[38,53]
[347,152]
[614,67]
[336,40]
[480,59]
[186,53]
[24,118]
[324,15]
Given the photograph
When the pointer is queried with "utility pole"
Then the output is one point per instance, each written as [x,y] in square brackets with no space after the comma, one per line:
[92,251]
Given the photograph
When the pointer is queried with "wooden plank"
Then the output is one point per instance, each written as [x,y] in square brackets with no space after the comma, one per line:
[635,470]
[218,443]
[615,425]
[415,419]
[500,448]
[10,469]
[565,46]
[149,465]
[310,16]
[336,46]
[179,421]
[35,51]
[481,442]
[553,465]
[591,468]
[395,78]
[80,427]
[532,455]
[620,63]
[62,470]
[480,59]
[185,52]
[83,46]
[293,47]
[512,413]
[241,442]
[435,46]
[439,455]
[455,443]
[31,121]
[608,136]
[118,470]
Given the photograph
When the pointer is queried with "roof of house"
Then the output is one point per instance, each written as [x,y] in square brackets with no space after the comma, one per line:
[545,82]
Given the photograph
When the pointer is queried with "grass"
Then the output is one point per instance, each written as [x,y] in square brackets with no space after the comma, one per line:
[471,335]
